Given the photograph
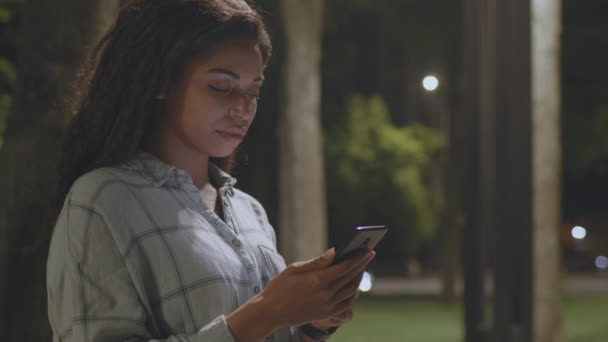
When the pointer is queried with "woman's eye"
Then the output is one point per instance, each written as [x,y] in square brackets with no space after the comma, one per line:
[253,96]
[225,91]
[220,90]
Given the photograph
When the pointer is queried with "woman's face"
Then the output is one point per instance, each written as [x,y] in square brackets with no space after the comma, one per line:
[210,111]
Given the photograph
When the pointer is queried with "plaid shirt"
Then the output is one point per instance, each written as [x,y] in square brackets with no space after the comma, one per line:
[136,255]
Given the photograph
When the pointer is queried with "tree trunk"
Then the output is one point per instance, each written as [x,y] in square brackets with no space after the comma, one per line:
[53,42]
[546,161]
[302,210]
[454,157]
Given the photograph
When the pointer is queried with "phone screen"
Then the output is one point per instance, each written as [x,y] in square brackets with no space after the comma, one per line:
[363,237]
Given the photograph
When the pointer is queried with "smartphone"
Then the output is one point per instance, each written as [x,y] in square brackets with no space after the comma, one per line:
[363,237]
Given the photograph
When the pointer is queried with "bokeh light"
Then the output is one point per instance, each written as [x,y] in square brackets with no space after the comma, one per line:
[601,262]
[366,282]
[430,83]
[579,232]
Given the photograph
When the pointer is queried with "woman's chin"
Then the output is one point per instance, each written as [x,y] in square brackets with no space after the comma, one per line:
[223,153]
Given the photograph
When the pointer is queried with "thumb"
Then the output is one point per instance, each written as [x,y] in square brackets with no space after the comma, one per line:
[319,262]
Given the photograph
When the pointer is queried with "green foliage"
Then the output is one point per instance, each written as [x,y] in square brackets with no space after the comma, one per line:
[8,74]
[5,104]
[5,14]
[377,174]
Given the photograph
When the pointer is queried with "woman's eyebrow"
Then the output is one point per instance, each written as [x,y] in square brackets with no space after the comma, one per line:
[231,74]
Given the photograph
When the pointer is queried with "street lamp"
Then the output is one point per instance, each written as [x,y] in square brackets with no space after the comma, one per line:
[430,83]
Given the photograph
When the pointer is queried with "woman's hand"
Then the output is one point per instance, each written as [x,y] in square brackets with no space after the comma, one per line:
[304,292]
[315,289]
[341,318]
[334,321]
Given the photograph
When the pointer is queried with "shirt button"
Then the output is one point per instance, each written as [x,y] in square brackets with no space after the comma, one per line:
[236,243]
[257,290]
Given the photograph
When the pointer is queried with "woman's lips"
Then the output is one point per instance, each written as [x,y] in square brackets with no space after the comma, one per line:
[231,135]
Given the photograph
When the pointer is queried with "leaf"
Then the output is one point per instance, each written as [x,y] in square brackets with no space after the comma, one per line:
[8,74]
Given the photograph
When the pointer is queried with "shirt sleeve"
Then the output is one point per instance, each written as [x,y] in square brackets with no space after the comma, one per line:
[295,334]
[91,296]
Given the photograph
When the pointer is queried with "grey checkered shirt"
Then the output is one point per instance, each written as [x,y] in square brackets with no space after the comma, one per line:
[136,255]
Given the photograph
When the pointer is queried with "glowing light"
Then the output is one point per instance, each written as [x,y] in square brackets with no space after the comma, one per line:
[366,282]
[430,83]
[579,232]
[601,262]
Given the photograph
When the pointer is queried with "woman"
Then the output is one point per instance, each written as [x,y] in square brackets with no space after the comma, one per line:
[153,241]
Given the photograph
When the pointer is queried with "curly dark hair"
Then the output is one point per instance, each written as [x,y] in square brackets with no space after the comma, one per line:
[145,51]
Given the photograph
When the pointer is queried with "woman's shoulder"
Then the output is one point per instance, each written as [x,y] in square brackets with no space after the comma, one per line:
[102,181]
[253,210]
[248,199]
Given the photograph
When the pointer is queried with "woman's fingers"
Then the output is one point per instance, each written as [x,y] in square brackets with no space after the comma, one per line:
[346,304]
[344,317]
[314,264]
[332,273]
[354,276]
[348,290]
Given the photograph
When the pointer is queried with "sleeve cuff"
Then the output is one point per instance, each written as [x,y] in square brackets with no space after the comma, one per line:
[295,333]
[216,330]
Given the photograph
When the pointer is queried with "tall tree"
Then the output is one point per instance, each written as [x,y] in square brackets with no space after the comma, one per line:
[546,166]
[53,41]
[527,303]
[302,210]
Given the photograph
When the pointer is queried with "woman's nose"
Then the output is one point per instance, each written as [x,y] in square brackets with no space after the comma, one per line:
[244,107]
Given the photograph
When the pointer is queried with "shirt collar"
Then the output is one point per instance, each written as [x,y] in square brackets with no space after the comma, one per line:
[158,172]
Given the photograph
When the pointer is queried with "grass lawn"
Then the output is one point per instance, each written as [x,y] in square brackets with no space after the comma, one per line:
[407,318]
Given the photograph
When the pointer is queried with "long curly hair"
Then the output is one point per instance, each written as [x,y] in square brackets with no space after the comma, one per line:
[145,51]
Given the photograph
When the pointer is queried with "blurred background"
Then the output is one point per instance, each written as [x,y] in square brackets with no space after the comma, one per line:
[474,130]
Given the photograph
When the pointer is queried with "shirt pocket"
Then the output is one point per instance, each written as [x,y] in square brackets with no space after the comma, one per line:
[273,263]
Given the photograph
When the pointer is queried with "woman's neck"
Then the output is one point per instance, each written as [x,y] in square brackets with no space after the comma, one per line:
[173,151]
